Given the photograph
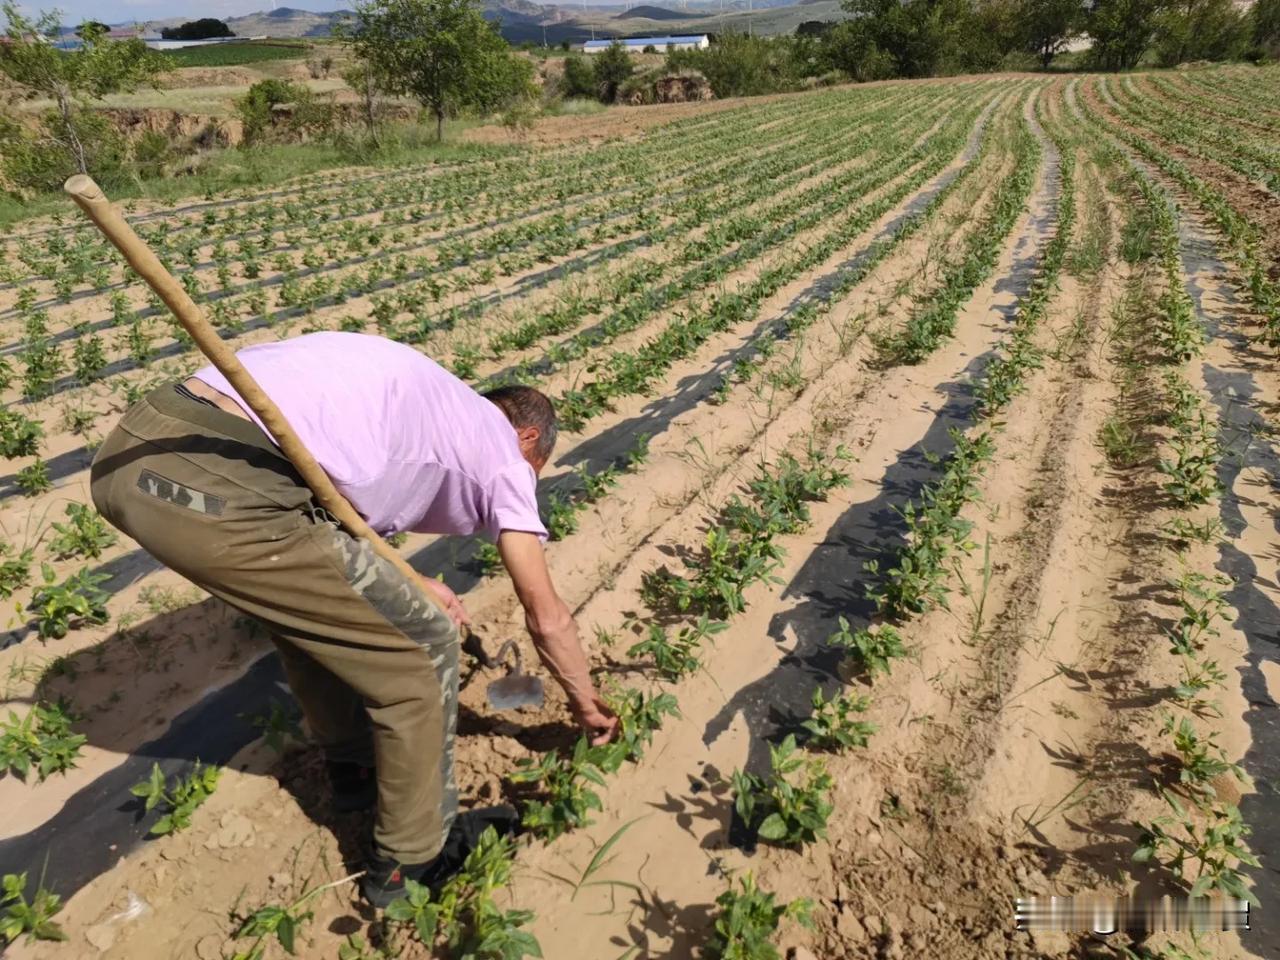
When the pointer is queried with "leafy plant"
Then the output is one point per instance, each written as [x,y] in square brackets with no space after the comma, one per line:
[278,726]
[747,919]
[19,436]
[1203,604]
[15,569]
[790,806]
[874,648]
[638,717]
[1214,849]
[88,358]
[1202,759]
[34,479]
[833,725]
[41,739]
[34,918]
[77,601]
[565,782]
[487,558]
[464,913]
[180,800]
[86,535]
[676,656]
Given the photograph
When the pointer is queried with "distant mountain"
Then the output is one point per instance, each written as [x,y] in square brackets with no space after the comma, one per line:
[654,13]
[522,21]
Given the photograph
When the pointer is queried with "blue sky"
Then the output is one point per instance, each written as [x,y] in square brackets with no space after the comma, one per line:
[117,11]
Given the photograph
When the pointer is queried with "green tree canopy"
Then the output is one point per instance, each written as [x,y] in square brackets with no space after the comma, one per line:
[1200,30]
[612,67]
[1047,26]
[1122,31]
[70,78]
[443,53]
[206,28]
[1266,26]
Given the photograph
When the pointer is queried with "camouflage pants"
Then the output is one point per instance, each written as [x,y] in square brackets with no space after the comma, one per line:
[370,658]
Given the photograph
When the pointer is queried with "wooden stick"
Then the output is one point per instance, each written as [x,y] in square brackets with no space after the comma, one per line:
[147,265]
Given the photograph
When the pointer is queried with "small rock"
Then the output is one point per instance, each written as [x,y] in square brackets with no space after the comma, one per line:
[850,927]
[920,915]
[280,881]
[236,831]
[874,838]
[102,936]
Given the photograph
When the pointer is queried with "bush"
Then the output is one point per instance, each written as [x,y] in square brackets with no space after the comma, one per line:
[578,79]
[308,114]
[612,68]
[738,65]
[34,160]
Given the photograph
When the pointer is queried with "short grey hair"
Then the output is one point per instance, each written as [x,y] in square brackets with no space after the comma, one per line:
[527,407]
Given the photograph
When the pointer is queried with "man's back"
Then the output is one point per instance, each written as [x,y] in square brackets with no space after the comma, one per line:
[408,443]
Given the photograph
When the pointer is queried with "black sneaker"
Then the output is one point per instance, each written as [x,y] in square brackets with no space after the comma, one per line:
[355,786]
[383,879]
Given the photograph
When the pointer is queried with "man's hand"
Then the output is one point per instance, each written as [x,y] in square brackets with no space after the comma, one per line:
[555,633]
[596,718]
[448,599]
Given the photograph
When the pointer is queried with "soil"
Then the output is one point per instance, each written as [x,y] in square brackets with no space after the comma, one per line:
[1015,748]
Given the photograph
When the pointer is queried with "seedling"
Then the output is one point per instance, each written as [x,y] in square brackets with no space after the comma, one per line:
[77,601]
[464,913]
[873,648]
[42,739]
[282,923]
[19,435]
[179,801]
[1185,531]
[34,479]
[674,657]
[565,782]
[1202,759]
[89,358]
[86,535]
[638,717]
[790,807]
[747,920]
[15,569]
[1203,604]
[33,919]
[562,516]
[833,724]
[1215,849]
[278,726]
[487,558]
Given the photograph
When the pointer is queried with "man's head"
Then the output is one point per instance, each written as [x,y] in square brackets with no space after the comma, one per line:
[534,418]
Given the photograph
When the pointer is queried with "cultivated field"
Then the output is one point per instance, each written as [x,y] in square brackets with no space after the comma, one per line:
[930,423]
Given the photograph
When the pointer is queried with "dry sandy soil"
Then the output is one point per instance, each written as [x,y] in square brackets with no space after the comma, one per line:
[1020,741]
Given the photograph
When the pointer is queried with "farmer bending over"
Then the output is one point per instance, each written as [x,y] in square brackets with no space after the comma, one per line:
[192,476]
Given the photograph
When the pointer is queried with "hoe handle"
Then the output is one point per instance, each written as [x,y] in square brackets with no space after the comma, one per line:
[147,265]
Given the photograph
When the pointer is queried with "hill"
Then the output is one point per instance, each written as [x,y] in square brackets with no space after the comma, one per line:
[652,13]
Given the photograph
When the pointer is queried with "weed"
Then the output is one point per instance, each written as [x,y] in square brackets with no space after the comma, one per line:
[790,806]
[1184,530]
[86,535]
[833,724]
[42,739]
[1120,442]
[33,919]
[748,918]
[181,800]
[34,479]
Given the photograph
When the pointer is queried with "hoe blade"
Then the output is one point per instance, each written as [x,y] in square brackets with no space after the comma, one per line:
[515,691]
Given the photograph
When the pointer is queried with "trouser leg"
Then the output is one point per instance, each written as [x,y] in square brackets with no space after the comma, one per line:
[213,503]
[335,712]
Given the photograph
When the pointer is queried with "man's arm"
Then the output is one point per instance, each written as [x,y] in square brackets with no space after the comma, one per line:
[554,631]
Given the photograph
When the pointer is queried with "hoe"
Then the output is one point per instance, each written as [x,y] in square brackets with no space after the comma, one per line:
[515,690]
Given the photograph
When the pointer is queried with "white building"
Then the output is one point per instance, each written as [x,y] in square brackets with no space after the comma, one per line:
[661,44]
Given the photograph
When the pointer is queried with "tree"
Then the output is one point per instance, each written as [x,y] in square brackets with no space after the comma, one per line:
[612,67]
[206,28]
[1200,30]
[1049,25]
[71,78]
[912,32]
[1122,31]
[359,77]
[92,25]
[1266,27]
[578,79]
[443,53]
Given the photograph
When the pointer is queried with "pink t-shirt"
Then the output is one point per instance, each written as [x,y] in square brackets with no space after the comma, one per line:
[408,443]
